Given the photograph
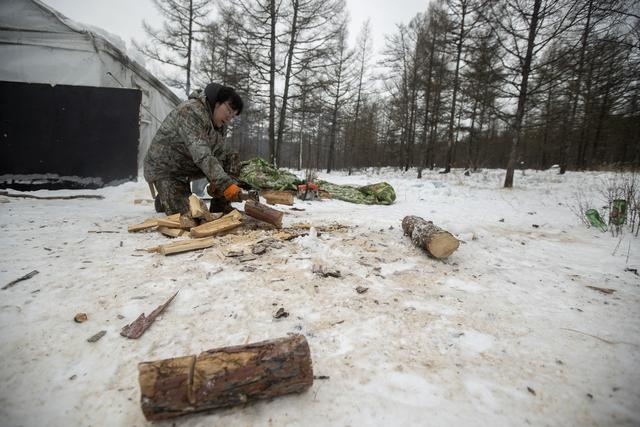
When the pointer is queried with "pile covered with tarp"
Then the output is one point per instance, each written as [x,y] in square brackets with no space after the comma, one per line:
[262,175]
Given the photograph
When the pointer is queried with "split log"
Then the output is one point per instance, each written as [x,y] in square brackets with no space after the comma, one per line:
[228,222]
[263,213]
[200,210]
[170,222]
[147,224]
[437,242]
[278,197]
[172,232]
[224,377]
[184,246]
[153,222]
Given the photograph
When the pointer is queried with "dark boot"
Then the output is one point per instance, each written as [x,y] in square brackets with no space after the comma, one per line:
[219,204]
[158,204]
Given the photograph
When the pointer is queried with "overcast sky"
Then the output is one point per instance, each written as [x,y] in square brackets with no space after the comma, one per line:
[124,17]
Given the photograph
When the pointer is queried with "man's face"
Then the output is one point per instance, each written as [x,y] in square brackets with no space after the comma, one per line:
[223,114]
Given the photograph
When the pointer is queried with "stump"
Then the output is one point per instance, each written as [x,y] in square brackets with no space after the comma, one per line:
[225,376]
[437,242]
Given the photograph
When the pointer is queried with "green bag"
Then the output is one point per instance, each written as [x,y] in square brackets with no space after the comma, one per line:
[618,215]
[595,219]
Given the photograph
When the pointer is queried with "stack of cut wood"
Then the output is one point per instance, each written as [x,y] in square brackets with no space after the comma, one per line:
[210,225]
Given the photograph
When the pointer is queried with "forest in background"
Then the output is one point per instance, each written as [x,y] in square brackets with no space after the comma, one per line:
[466,83]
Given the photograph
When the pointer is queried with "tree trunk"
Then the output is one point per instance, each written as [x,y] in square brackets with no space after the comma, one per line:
[287,77]
[189,48]
[224,377]
[272,83]
[450,140]
[569,142]
[522,97]
[437,242]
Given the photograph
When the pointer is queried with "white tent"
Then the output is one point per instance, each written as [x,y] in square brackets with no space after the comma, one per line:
[39,45]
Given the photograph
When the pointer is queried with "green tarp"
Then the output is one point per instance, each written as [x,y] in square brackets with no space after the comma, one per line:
[263,175]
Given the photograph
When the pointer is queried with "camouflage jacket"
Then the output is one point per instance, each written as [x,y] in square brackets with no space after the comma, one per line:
[188,146]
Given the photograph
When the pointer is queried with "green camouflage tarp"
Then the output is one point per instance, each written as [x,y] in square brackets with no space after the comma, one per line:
[260,174]
[381,193]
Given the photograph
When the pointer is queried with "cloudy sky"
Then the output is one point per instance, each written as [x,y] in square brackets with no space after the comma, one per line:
[124,17]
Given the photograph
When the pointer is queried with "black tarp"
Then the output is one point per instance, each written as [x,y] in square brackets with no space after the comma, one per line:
[67,136]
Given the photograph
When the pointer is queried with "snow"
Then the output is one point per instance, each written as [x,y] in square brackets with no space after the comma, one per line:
[503,332]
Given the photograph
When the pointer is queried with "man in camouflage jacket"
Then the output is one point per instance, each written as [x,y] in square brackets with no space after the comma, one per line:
[190,145]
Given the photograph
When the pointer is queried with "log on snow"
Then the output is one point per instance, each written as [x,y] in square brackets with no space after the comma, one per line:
[437,242]
[224,377]
[263,213]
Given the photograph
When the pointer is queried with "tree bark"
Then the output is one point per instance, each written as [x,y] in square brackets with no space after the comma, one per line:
[263,213]
[437,242]
[224,377]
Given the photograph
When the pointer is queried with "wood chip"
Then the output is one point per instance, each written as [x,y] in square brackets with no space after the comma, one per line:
[258,249]
[281,313]
[323,271]
[20,279]
[233,254]
[135,329]
[97,336]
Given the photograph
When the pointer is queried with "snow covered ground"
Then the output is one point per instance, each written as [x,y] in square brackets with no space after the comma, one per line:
[504,332]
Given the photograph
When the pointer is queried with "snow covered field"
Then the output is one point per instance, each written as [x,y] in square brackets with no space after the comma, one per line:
[504,332]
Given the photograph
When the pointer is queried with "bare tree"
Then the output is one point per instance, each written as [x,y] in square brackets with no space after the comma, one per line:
[174,43]
[338,87]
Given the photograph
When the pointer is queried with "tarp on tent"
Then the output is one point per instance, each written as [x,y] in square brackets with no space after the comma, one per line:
[41,47]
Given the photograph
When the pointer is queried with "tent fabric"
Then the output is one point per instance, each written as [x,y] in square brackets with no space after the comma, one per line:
[40,45]
[262,175]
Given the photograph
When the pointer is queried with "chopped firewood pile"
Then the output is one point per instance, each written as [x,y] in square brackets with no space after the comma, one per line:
[210,225]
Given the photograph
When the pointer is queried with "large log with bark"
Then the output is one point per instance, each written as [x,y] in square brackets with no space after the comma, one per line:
[225,376]
[437,242]
[263,213]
